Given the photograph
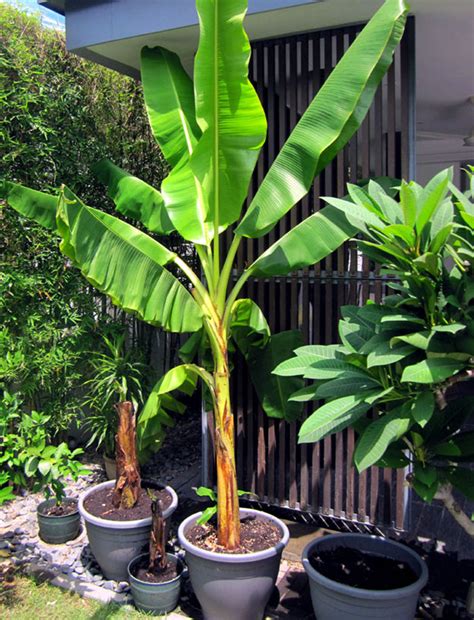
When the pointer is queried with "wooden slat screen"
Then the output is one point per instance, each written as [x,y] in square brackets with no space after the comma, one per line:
[319,478]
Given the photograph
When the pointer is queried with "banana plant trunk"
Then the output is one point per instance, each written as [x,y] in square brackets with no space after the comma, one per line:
[227,497]
[128,483]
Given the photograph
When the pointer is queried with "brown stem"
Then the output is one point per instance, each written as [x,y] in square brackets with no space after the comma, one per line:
[442,394]
[158,557]
[128,483]
[445,494]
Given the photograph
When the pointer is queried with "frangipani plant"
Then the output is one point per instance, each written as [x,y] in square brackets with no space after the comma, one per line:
[411,357]
[211,132]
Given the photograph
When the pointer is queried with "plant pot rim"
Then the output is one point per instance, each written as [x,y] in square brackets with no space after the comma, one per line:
[148,584]
[48,502]
[235,558]
[122,525]
[363,593]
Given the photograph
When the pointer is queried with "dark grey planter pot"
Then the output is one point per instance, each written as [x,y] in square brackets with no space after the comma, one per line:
[115,543]
[233,586]
[335,600]
[56,530]
[155,598]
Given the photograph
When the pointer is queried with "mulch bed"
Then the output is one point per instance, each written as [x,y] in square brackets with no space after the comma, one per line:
[256,534]
[99,503]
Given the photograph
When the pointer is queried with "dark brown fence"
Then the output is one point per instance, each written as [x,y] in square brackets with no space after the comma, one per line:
[320,478]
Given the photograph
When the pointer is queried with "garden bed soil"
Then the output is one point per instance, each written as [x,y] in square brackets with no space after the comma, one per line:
[352,567]
[142,573]
[65,508]
[99,503]
[256,534]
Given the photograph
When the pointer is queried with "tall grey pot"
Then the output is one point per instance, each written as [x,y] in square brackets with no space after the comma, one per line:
[115,543]
[332,599]
[155,598]
[57,529]
[233,586]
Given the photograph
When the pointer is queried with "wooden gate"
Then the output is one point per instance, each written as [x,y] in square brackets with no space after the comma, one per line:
[319,479]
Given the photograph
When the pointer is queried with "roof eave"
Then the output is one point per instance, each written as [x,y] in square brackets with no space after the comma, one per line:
[54,5]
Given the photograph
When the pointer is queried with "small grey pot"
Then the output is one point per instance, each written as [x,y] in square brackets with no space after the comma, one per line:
[155,598]
[233,586]
[332,599]
[57,529]
[115,543]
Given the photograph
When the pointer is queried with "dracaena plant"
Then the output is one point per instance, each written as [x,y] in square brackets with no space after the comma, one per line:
[411,357]
[117,375]
[210,132]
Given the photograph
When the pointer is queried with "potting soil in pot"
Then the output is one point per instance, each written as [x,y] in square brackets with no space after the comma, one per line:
[66,507]
[141,572]
[352,567]
[256,534]
[99,503]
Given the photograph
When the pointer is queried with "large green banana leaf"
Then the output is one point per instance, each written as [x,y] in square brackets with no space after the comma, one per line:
[186,205]
[162,403]
[38,206]
[305,244]
[127,265]
[274,391]
[134,198]
[169,100]
[228,110]
[248,325]
[115,257]
[329,122]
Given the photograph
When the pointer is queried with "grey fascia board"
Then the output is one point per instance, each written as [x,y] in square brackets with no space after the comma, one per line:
[91,22]
[54,5]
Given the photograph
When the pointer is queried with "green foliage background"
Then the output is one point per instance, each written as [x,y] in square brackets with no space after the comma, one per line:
[60,115]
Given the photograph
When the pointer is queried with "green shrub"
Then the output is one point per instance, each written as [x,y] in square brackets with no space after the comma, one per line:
[118,375]
[57,120]
[411,357]
[27,459]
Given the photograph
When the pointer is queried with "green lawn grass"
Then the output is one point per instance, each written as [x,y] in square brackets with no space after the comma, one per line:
[27,600]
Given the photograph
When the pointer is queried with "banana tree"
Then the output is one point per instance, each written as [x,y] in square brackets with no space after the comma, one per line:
[210,132]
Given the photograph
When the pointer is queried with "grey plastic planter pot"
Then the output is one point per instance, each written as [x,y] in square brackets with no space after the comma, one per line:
[56,530]
[110,467]
[115,543]
[332,599]
[155,598]
[233,586]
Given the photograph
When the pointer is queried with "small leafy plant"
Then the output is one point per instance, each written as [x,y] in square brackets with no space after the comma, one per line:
[403,375]
[27,459]
[117,375]
[211,511]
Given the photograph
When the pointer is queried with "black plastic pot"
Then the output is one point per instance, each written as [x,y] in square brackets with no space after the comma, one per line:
[58,529]
[115,543]
[155,598]
[332,599]
[233,586]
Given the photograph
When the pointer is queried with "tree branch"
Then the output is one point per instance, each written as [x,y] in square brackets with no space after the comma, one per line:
[445,494]
[441,394]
